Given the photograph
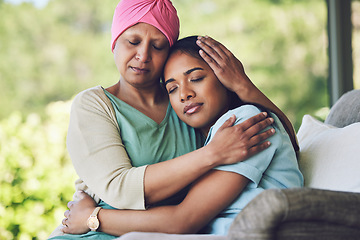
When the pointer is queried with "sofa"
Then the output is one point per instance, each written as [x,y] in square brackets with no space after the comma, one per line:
[328,207]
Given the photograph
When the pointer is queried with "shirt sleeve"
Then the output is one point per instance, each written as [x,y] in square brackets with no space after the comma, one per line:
[98,154]
[254,167]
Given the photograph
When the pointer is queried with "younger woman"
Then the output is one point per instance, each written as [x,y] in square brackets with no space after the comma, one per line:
[213,201]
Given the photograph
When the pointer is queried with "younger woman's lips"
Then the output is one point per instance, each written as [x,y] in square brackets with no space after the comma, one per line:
[192,108]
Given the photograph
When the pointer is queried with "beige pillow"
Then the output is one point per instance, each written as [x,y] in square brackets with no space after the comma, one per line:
[330,156]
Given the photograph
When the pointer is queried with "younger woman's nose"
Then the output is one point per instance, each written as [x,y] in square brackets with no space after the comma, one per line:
[186,94]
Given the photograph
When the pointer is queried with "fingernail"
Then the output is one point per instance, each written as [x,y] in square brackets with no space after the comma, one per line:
[271,120]
[264,113]
[198,42]
[272,130]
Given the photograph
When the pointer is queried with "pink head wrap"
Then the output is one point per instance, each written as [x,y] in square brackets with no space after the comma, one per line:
[159,13]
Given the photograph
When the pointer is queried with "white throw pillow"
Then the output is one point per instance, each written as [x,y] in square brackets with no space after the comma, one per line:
[329,156]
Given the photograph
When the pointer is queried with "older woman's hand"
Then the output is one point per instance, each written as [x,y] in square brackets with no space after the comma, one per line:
[226,66]
[75,221]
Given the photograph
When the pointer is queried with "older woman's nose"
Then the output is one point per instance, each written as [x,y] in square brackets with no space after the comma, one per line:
[143,53]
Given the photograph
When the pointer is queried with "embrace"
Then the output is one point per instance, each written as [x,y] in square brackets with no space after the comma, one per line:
[180,143]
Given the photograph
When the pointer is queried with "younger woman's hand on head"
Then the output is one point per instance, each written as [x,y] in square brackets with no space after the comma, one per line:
[228,69]
[237,143]
[75,221]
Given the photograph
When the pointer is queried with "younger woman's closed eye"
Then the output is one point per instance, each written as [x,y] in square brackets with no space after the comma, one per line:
[197,79]
[171,89]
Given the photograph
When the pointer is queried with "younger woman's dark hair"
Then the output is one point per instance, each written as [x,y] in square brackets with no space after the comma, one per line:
[188,46]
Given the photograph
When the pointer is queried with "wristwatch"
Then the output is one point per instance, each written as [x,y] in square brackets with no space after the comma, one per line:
[93,221]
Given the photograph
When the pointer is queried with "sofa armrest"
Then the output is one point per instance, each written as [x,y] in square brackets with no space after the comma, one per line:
[273,212]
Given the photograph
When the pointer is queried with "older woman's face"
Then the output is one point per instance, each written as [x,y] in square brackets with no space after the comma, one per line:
[140,53]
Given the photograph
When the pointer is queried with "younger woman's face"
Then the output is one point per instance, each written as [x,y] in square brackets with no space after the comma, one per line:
[195,93]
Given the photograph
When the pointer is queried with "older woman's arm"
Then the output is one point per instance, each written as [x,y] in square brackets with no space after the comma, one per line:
[98,154]
[101,161]
[208,196]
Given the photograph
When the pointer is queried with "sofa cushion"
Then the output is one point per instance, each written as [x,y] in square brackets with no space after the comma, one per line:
[346,110]
[329,156]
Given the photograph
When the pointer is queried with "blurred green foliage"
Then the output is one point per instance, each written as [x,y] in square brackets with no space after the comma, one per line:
[50,54]
[36,174]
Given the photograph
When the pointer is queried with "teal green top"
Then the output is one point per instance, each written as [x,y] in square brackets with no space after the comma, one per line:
[147,142]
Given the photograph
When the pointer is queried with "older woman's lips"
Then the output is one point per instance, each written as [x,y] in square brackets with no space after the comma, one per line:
[192,108]
[139,70]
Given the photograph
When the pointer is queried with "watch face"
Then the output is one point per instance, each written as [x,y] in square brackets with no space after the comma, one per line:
[93,223]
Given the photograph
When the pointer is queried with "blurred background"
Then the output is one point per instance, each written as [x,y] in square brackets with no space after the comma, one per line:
[52,49]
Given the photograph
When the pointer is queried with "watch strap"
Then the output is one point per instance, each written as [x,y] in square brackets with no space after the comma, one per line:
[93,221]
[95,212]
